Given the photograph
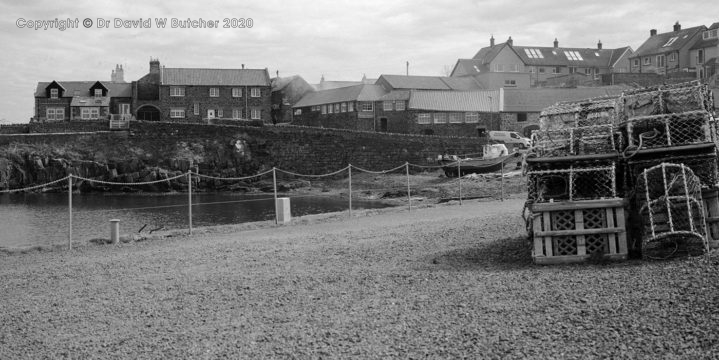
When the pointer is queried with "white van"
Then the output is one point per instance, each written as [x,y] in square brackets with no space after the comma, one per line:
[510,137]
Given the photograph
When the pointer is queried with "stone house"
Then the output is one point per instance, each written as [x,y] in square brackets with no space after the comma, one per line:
[508,66]
[196,95]
[286,92]
[351,107]
[81,100]
[667,52]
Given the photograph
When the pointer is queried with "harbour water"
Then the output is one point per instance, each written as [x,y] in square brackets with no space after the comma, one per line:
[43,219]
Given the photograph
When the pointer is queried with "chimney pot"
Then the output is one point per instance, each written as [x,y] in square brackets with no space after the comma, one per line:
[510,41]
[491,40]
[243,66]
[677,27]
[652,32]
[599,45]
[556,43]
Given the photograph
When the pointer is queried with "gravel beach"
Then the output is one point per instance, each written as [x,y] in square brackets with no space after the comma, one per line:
[442,281]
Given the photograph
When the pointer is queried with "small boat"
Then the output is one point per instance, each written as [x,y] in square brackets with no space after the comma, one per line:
[493,161]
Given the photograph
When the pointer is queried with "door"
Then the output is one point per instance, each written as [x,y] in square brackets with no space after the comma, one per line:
[210,113]
[383,124]
[124,109]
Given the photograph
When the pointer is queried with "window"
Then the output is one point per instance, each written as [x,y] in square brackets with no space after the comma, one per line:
[344,107]
[337,108]
[556,70]
[670,41]
[98,92]
[424,118]
[572,69]
[510,83]
[324,109]
[532,69]
[700,56]
[177,113]
[387,105]
[521,117]
[255,92]
[588,71]
[298,111]
[399,105]
[471,117]
[256,114]
[672,57]
[196,109]
[647,61]
[350,106]
[455,118]
[710,34]
[367,106]
[214,92]
[573,55]
[534,53]
[219,112]
[54,93]
[89,113]
[514,68]
[237,113]
[177,91]
[55,113]
[236,92]
[498,67]
[440,118]
[660,60]
[330,108]
[542,70]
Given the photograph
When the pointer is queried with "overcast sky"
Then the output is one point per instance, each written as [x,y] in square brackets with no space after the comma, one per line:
[341,39]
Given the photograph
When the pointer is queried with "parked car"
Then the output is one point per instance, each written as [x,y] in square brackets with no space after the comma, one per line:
[509,137]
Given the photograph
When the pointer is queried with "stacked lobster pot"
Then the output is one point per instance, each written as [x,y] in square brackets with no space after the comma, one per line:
[668,128]
[576,205]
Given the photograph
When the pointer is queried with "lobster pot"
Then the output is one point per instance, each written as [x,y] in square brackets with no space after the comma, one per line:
[691,97]
[576,231]
[643,102]
[665,130]
[571,182]
[703,166]
[579,114]
[671,211]
[587,140]
[710,198]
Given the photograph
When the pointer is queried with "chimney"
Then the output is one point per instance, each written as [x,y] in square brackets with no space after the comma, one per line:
[119,74]
[243,66]
[677,27]
[491,40]
[599,45]
[652,32]
[510,42]
[155,66]
[556,43]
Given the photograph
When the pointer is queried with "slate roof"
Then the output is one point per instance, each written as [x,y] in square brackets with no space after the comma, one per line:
[207,77]
[481,101]
[82,88]
[550,56]
[415,82]
[655,44]
[328,85]
[535,100]
[707,43]
[469,67]
[362,92]
[617,54]
[487,54]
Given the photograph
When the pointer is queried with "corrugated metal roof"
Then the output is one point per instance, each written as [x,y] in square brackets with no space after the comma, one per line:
[82,88]
[479,100]
[655,44]
[535,100]
[363,92]
[229,77]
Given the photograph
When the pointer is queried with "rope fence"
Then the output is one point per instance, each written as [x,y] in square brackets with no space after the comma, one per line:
[195,177]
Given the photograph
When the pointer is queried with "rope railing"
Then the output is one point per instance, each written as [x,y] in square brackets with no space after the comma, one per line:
[189,175]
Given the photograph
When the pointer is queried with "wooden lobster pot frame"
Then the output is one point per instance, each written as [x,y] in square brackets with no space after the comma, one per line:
[710,198]
[666,130]
[574,231]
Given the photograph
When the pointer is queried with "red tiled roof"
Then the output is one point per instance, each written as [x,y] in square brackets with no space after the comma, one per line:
[205,77]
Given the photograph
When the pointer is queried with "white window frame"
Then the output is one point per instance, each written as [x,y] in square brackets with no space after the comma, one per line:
[54,93]
[440,118]
[330,108]
[399,105]
[256,114]
[367,106]
[471,117]
[647,60]
[344,107]
[455,118]
[510,82]
[89,113]
[671,41]
[177,113]
[55,113]
[424,118]
[237,113]
[177,91]
[196,109]
[255,92]
[337,108]
[673,57]
[661,60]
[97,93]
[700,56]
[324,109]
[214,92]
[350,106]
[237,92]
[219,113]
[387,106]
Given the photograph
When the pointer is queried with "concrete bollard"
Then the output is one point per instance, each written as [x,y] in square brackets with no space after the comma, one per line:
[115,231]
[283,210]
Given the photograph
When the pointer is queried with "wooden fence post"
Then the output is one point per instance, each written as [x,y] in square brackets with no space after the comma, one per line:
[69,210]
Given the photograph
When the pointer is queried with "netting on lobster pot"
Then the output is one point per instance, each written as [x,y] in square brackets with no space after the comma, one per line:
[670,206]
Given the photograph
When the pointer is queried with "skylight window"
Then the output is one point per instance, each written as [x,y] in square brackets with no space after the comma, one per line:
[671,41]
[534,53]
[573,55]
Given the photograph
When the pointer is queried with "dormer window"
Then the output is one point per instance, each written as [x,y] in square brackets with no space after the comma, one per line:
[671,41]
[710,34]
[98,92]
[54,93]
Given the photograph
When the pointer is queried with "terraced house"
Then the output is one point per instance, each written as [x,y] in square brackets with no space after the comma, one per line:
[508,66]
[196,94]
[667,52]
